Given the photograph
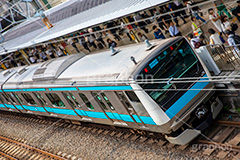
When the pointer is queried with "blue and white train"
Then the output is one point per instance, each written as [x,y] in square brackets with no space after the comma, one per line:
[108,89]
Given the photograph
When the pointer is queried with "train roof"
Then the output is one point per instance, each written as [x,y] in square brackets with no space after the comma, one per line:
[29,33]
[82,69]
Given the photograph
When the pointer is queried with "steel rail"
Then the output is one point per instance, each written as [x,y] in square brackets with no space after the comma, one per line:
[32,148]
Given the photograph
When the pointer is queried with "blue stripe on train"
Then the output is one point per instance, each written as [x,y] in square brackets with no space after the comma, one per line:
[10,106]
[186,98]
[63,89]
[94,88]
[105,88]
[34,108]
[34,89]
[126,118]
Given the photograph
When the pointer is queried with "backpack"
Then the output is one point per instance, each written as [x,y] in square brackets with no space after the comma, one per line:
[236,39]
[234,27]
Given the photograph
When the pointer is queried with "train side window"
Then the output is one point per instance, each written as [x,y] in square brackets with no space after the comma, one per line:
[108,102]
[55,99]
[86,101]
[40,98]
[99,99]
[29,98]
[71,100]
[11,96]
[18,98]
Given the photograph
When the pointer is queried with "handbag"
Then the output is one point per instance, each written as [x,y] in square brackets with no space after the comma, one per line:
[223,41]
[197,32]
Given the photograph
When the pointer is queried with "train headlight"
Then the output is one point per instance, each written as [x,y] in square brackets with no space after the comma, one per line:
[201,112]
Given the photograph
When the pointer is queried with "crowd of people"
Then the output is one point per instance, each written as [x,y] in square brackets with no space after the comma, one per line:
[225,32]
[162,20]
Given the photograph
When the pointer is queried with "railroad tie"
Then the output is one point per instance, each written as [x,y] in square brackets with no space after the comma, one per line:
[235,141]
[126,136]
[183,147]
[224,135]
[142,139]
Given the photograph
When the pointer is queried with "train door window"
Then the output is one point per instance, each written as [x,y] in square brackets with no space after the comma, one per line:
[11,96]
[5,98]
[75,100]
[108,102]
[135,104]
[1,99]
[29,98]
[99,100]
[71,100]
[86,101]
[55,99]
[18,98]
[40,98]
[126,102]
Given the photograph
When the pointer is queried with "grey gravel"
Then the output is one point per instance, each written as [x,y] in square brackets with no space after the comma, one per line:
[86,145]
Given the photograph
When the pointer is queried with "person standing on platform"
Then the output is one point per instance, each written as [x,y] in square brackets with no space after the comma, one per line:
[173,30]
[158,33]
[216,19]
[219,4]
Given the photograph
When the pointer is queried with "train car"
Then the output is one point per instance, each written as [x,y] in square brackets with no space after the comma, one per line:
[138,88]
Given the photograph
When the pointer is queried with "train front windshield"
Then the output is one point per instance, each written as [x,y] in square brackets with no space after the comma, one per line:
[177,61]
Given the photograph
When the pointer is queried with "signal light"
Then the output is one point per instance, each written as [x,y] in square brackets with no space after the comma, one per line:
[171,48]
[146,70]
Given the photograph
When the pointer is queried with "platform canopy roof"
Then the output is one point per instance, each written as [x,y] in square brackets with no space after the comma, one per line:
[109,10]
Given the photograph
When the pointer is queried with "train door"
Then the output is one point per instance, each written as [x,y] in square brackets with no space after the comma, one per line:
[72,101]
[8,102]
[2,105]
[17,101]
[107,106]
[93,108]
[130,109]
[29,103]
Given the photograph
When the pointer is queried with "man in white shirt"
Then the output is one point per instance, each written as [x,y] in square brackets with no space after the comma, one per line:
[216,19]
[173,30]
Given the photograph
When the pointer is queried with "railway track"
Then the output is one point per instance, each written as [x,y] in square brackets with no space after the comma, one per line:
[221,141]
[14,150]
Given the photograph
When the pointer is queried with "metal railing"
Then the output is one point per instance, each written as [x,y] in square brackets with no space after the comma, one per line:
[226,57]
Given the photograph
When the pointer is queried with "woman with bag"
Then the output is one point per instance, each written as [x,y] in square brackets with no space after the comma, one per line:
[196,27]
[226,25]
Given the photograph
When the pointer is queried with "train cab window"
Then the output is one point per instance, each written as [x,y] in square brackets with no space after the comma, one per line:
[18,98]
[99,100]
[55,99]
[71,100]
[86,101]
[29,98]
[108,102]
[40,98]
